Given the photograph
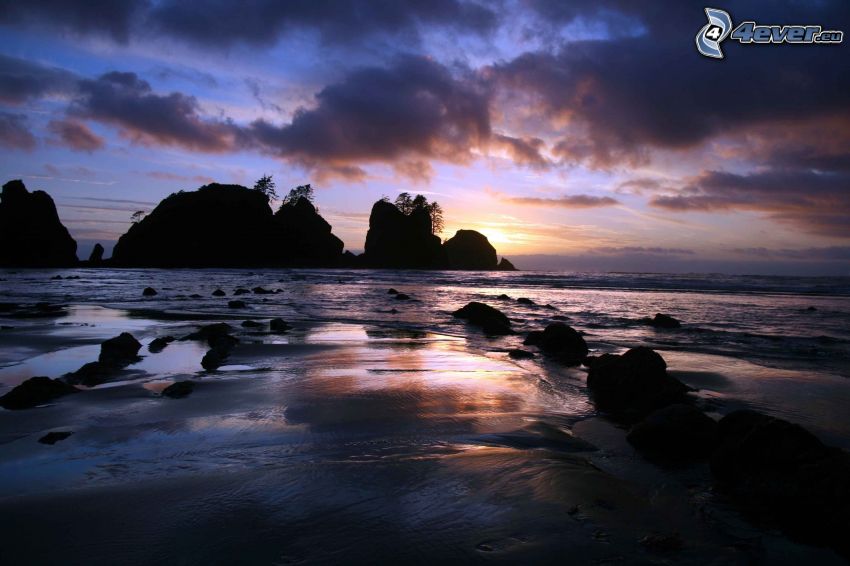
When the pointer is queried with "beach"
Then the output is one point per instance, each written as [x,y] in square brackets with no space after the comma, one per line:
[377,429]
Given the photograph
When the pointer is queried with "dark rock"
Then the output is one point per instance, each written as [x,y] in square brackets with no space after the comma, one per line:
[634,384]
[783,473]
[402,297]
[179,389]
[278,325]
[52,438]
[306,237]
[92,373]
[534,338]
[56,278]
[811,309]
[159,344]
[469,249]
[96,257]
[518,354]
[262,291]
[209,332]
[121,350]
[252,324]
[186,230]
[195,296]
[491,321]
[213,359]
[503,297]
[218,293]
[149,292]
[662,321]
[505,265]
[35,391]
[560,317]
[561,341]
[675,432]
[237,304]
[525,301]
[31,234]
[397,240]
[392,292]
[241,291]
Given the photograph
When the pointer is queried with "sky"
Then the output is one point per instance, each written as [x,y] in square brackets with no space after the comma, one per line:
[587,135]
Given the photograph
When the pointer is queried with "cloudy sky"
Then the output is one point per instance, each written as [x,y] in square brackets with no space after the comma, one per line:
[575,134]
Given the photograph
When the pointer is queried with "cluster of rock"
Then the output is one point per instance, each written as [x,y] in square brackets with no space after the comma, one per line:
[406,241]
[233,226]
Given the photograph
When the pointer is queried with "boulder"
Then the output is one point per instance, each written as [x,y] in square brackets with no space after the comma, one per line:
[159,344]
[469,249]
[209,332]
[31,234]
[241,291]
[262,291]
[491,321]
[505,265]
[120,351]
[278,325]
[392,291]
[525,301]
[634,384]
[397,240]
[252,324]
[35,391]
[52,438]
[179,389]
[92,373]
[785,474]
[213,359]
[402,297]
[237,304]
[675,432]
[149,292]
[561,341]
[227,226]
[519,354]
[218,293]
[96,256]
[662,321]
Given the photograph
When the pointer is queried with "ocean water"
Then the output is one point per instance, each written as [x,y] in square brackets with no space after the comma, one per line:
[380,429]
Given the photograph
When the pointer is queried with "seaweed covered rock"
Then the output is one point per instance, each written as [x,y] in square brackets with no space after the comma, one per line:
[492,321]
[469,249]
[633,384]
[35,391]
[31,234]
[398,240]
[785,474]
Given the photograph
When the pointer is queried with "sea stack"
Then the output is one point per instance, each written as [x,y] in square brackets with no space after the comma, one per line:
[31,234]
[398,240]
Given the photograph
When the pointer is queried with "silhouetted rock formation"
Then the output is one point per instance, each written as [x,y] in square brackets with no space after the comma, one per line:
[227,226]
[397,240]
[505,265]
[35,391]
[782,471]
[306,235]
[491,321]
[634,384]
[31,234]
[469,249]
[96,257]
[676,432]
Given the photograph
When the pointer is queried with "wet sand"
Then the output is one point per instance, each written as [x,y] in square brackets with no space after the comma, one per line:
[345,442]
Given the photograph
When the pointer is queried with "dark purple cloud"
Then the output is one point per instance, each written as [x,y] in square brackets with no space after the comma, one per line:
[223,23]
[22,80]
[128,102]
[75,135]
[14,133]
[817,202]
[412,110]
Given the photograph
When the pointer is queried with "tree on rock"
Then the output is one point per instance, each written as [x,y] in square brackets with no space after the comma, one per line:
[299,192]
[408,204]
[266,185]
